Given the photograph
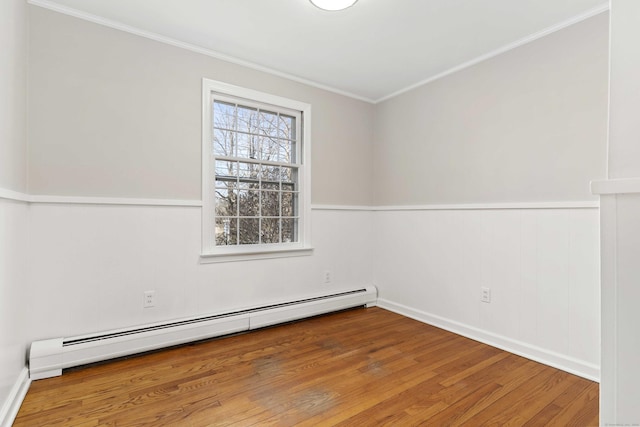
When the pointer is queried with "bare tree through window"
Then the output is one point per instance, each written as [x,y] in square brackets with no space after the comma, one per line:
[256,175]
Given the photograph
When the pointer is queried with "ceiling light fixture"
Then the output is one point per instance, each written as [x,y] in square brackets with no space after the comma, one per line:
[333,4]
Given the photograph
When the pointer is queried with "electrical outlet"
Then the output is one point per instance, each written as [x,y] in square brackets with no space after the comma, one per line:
[485,295]
[149,299]
[327,276]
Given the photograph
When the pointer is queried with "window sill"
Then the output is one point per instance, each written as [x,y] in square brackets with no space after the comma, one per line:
[250,254]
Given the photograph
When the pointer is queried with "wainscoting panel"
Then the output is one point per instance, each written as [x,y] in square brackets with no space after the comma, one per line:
[541,265]
[91,263]
[14,304]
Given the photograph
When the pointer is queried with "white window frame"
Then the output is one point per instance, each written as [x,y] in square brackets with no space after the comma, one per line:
[211,252]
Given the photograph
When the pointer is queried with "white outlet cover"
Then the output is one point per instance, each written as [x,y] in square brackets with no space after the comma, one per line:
[485,295]
[149,299]
[327,276]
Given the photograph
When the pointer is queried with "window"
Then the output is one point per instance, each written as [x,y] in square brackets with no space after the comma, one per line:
[255,172]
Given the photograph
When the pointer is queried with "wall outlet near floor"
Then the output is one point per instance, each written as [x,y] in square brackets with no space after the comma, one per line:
[327,276]
[485,294]
[149,299]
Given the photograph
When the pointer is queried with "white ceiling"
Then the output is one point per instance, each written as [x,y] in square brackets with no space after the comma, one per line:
[371,51]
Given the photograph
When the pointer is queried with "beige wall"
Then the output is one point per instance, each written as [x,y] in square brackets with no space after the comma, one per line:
[117,115]
[528,125]
[624,131]
[13,68]
[13,214]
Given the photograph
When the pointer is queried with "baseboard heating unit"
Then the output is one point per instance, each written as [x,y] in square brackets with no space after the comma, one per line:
[47,358]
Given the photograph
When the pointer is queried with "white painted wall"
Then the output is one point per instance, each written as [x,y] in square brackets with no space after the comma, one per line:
[14,306]
[620,386]
[540,264]
[92,263]
[624,330]
[526,126]
[13,215]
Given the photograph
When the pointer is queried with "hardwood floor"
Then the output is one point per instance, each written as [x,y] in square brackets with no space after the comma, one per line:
[364,367]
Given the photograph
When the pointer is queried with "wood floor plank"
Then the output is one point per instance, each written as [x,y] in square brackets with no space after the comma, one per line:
[453,412]
[509,376]
[478,366]
[580,410]
[533,394]
[550,411]
[354,368]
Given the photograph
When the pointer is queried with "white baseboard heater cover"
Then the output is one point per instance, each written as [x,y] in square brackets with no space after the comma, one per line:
[47,358]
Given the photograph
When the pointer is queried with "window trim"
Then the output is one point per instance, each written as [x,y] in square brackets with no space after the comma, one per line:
[212,253]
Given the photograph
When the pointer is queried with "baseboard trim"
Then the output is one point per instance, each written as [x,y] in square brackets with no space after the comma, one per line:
[13,402]
[566,363]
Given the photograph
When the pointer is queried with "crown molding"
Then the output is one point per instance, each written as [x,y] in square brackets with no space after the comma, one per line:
[533,37]
[51,5]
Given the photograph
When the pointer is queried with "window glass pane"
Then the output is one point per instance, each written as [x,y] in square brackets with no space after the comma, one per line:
[269,123]
[286,151]
[270,230]
[269,149]
[289,202]
[288,187]
[270,185]
[223,142]
[270,173]
[247,146]
[248,201]
[249,231]
[249,170]
[226,231]
[289,230]
[270,203]
[244,145]
[224,115]
[255,203]
[226,169]
[289,174]
[247,119]
[226,202]
[287,127]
